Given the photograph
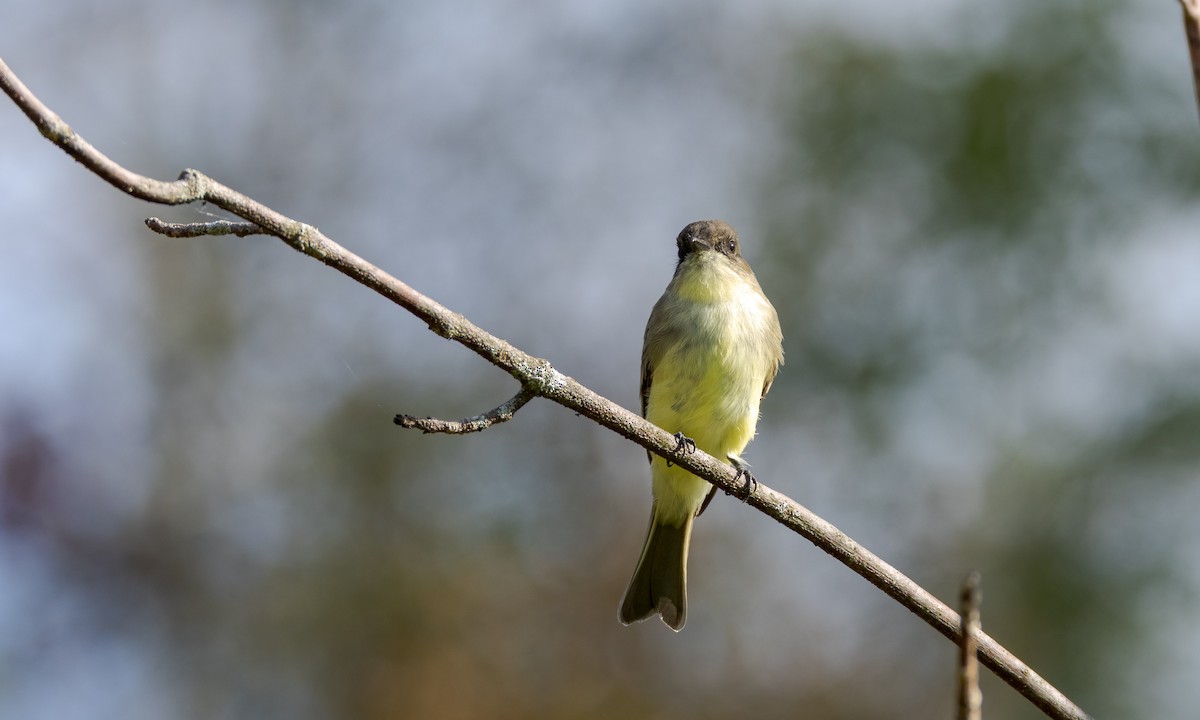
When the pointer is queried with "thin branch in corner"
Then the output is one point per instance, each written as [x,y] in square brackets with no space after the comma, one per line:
[1191,25]
[497,415]
[970,698]
[191,230]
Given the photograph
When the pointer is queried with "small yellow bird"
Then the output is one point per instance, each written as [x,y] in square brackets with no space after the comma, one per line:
[712,348]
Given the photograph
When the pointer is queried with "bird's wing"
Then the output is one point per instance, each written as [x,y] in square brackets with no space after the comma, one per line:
[778,359]
[657,340]
[771,377]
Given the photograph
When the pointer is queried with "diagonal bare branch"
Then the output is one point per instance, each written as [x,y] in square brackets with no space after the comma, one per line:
[539,377]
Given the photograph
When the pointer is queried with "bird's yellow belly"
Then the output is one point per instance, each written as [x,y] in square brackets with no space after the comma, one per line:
[711,395]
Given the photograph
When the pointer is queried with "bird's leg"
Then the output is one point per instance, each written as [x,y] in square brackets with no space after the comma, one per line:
[684,445]
[743,471]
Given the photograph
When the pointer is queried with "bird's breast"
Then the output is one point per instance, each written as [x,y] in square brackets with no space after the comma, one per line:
[708,384]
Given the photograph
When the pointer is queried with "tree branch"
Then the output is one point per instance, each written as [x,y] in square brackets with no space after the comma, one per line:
[539,378]
[504,413]
[215,227]
[970,699]
[1191,26]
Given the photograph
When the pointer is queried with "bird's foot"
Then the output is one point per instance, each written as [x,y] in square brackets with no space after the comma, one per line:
[684,445]
[743,471]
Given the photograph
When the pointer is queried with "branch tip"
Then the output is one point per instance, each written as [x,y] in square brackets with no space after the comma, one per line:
[477,423]
[213,228]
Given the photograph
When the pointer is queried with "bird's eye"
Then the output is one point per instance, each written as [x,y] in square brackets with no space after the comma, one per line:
[731,246]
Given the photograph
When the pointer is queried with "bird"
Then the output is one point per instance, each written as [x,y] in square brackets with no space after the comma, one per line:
[712,347]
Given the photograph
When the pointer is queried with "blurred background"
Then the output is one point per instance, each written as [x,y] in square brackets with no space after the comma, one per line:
[977,221]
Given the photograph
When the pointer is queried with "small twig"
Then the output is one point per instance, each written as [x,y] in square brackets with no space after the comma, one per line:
[970,698]
[503,413]
[191,230]
[1191,25]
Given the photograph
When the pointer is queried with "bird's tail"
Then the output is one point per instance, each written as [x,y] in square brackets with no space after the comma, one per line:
[659,584]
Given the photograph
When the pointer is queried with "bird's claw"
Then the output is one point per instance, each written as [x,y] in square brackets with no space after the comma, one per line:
[684,445]
[743,471]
